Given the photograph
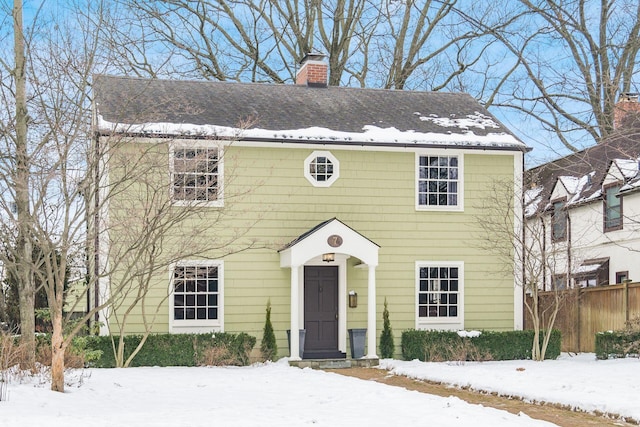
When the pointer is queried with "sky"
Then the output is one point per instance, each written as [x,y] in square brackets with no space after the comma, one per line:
[275,394]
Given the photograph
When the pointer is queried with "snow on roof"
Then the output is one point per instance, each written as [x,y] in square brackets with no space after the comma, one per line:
[477,120]
[532,200]
[588,268]
[575,187]
[581,184]
[628,167]
[570,183]
[316,134]
[630,186]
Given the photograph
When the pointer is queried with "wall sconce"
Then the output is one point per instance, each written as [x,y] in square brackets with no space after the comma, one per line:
[329,257]
[353,299]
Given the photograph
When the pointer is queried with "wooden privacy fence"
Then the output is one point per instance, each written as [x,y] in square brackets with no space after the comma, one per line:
[587,311]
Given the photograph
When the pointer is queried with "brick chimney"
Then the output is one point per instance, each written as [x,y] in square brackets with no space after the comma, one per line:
[314,71]
[626,111]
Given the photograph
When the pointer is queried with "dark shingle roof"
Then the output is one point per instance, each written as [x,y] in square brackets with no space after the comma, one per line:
[284,107]
[625,144]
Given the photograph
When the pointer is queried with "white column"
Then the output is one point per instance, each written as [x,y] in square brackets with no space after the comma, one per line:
[371,314]
[295,327]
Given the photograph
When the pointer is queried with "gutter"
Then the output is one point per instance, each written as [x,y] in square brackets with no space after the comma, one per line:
[294,141]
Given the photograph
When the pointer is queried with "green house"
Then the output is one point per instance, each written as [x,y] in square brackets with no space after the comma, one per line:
[322,201]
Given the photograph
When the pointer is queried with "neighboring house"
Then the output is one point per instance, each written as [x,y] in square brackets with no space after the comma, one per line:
[339,192]
[588,205]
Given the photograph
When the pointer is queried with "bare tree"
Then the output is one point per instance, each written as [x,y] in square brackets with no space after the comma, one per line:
[370,43]
[569,60]
[49,157]
[16,170]
[521,244]
[425,44]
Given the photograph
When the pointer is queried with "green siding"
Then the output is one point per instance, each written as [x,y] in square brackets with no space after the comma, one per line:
[269,201]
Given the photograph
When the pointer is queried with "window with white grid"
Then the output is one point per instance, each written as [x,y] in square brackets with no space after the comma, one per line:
[439,294]
[196,175]
[196,299]
[321,168]
[439,185]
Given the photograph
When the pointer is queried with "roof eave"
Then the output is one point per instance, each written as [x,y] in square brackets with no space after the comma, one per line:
[443,145]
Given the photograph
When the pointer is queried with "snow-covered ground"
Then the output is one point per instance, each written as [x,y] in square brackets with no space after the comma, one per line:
[275,394]
[578,381]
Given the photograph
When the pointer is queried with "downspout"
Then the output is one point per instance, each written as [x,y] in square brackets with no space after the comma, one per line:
[569,260]
[524,245]
[544,254]
[96,226]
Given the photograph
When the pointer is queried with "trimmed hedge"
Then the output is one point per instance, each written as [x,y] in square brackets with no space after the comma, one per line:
[490,345]
[175,349]
[614,344]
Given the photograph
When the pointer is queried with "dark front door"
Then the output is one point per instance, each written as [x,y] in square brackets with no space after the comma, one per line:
[321,312]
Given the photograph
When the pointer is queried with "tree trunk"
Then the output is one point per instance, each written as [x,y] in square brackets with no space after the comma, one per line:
[57,352]
[24,250]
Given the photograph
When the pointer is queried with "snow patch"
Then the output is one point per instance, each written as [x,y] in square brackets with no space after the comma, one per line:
[369,133]
[477,120]
[469,334]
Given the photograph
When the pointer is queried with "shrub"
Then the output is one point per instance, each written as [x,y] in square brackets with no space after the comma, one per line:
[622,343]
[268,346]
[11,354]
[178,349]
[77,355]
[387,346]
[435,346]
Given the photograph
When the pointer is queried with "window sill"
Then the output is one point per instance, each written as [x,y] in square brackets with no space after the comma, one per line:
[198,204]
[194,327]
[439,208]
[450,324]
[607,230]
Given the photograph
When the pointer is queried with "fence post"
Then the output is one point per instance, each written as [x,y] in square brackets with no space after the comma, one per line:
[625,300]
[578,319]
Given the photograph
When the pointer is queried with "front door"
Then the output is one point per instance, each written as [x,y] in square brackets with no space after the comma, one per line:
[321,312]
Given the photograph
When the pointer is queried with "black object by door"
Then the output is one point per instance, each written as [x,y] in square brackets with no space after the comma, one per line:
[321,312]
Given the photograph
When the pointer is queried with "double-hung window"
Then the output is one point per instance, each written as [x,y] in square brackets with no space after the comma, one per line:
[196,174]
[559,221]
[439,289]
[196,296]
[612,208]
[439,182]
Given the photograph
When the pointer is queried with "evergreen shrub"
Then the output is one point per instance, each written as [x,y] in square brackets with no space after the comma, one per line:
[177,349]
[624,343]
[435,346]
[387,346]
[268,346]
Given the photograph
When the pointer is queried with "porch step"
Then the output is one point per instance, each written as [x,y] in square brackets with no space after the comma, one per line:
[334,363]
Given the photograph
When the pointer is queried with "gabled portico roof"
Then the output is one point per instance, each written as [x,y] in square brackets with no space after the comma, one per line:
[329,236]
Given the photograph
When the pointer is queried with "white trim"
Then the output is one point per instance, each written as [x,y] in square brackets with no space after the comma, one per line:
[198,143]
[460,193]
[371,312]
[294,338]
[198,326]
[316,244]
[336,168]
[440,323]
[104,247]
[341,263]
[308,252]
[347,146]
[518,223]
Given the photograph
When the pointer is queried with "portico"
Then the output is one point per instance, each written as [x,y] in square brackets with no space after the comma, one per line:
[328,244]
